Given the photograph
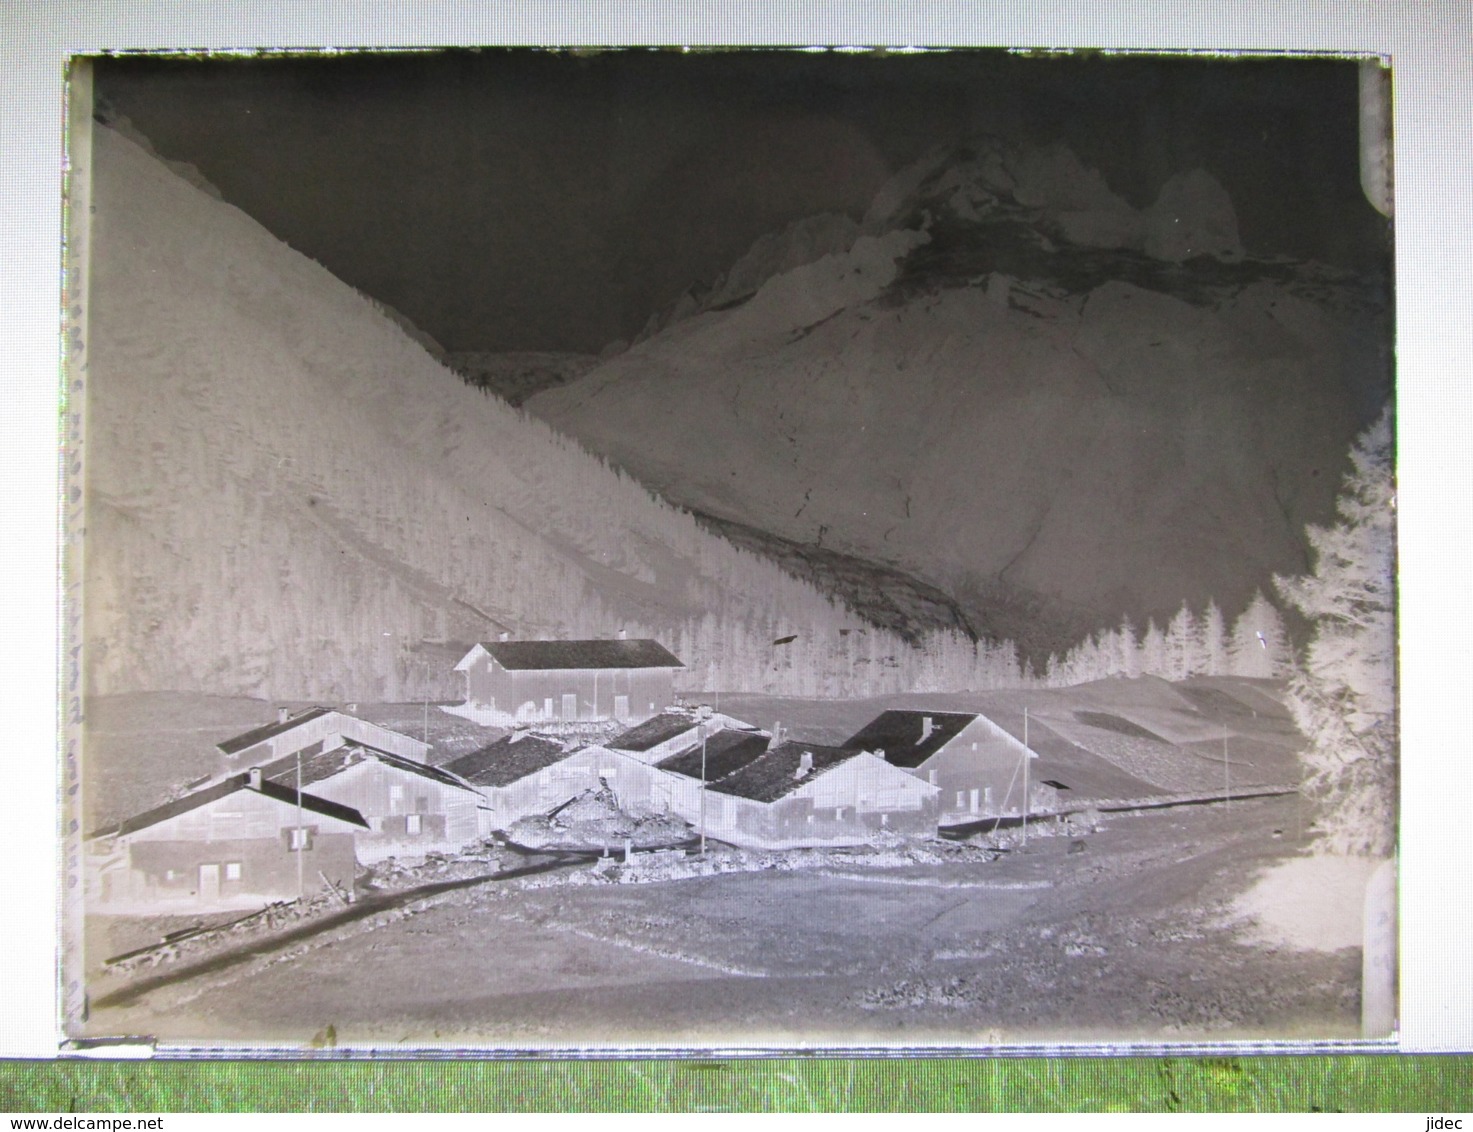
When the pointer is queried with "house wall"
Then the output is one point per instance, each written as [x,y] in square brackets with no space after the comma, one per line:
[163,862]
[524,695]
[979,773]
[387,797]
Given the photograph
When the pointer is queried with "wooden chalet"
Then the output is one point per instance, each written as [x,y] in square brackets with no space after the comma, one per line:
[976,765]
[310,731]
[722,754]
[239,843]
[567,682]
[673,731]
[410,809]
[532,774]
[802,794]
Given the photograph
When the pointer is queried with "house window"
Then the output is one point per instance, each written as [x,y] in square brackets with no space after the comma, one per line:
[547,708]
[232,870]
[839,813]
[412,824]
[299,839]
[396,799]
[961,798]
[570,705]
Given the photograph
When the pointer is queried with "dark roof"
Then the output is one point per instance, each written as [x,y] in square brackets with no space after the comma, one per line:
[507,760]
[524,655]
[774,774]
[726,753]
[325,764]
[898,734]
[259,734]
[224,789]
[654,731]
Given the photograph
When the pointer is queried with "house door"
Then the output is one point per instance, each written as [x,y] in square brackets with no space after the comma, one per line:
[209,883]
[570,707]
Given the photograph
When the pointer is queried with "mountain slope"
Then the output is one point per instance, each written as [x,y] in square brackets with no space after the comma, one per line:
[287,496]
[1019,389]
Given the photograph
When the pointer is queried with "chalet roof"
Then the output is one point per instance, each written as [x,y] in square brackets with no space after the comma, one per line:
[899,735]
[271,730]
[508,760]
[224,789]
[324,764]
[522,656]
[654,731]
[726,753]
[775,773]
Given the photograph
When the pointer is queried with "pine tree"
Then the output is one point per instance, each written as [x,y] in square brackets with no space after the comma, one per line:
[1183,646]
[1214,641]
[1259,647]
[1153,651]
[1343,695]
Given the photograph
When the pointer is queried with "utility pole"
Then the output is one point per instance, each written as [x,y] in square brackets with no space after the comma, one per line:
[705,729]
[301,835]
[1027,758]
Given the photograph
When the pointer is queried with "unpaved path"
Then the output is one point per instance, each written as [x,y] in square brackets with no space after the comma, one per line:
[1130,939]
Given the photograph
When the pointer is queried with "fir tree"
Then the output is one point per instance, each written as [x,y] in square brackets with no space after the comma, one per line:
[1343,695]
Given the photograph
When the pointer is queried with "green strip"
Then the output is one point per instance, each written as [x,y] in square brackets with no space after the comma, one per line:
[1186,1084]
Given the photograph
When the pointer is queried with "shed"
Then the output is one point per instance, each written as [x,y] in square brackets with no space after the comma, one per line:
[239,843]
[567,682]
[800,794]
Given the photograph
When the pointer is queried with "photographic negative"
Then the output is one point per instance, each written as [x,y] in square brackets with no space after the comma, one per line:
[734,549]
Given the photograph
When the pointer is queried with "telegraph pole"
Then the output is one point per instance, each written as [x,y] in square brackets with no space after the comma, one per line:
[1027,757]
[301,837]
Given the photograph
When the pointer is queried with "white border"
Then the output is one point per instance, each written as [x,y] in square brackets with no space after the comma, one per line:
[1430,43]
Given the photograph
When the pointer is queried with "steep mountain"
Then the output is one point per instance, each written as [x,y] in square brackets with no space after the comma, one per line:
[287,496]
[1014,386]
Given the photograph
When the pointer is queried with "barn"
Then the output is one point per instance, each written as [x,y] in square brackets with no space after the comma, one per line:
[315,729]
[803,794]
[567,682]
[977,766]
[239,843]
[411,809]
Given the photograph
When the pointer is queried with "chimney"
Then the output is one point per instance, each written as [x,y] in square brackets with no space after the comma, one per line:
[504,636]
[777,736]
[927,726]
[255,778]
[623,634]
[805,765]
[283,714]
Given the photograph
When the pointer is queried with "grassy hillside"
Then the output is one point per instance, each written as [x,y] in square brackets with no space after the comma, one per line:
[288,497]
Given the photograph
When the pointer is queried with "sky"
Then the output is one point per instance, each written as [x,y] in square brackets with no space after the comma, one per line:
[539,200]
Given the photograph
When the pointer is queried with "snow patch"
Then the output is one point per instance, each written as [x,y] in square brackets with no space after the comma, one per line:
[1308,903]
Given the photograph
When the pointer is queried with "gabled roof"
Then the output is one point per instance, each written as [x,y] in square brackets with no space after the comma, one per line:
[726,753]
[522,656]
[899,734]
[775,774]
[271,730]
[324,764]
[654,731]
[224,789]
[508,760]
